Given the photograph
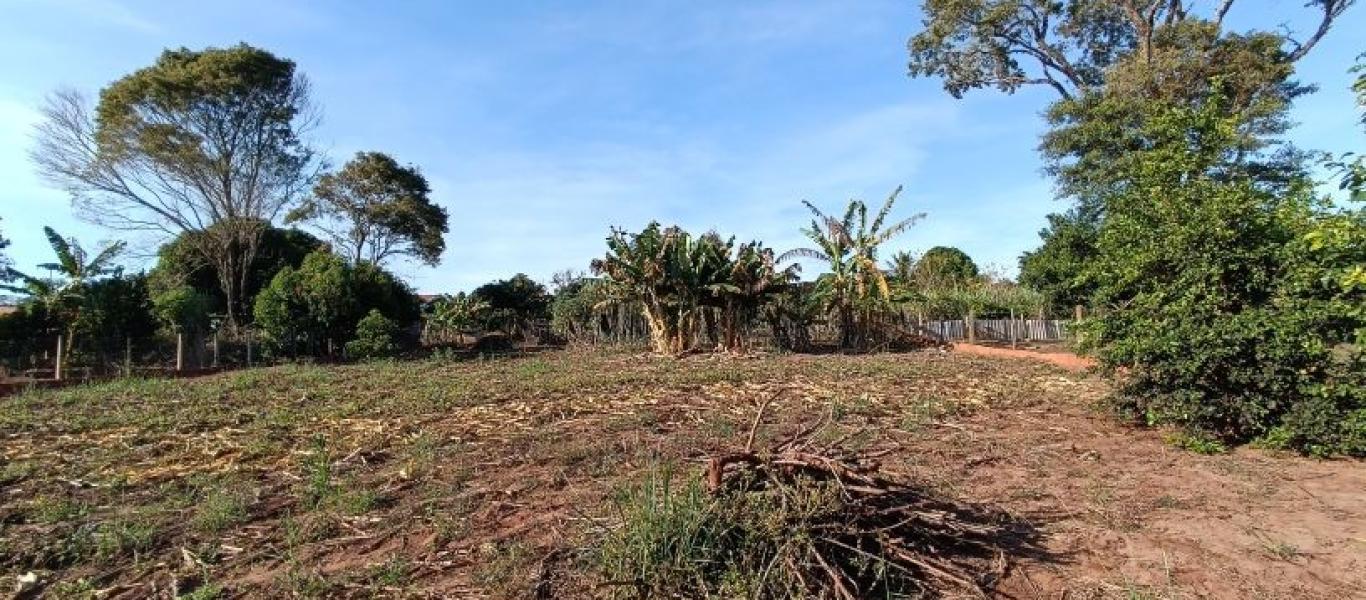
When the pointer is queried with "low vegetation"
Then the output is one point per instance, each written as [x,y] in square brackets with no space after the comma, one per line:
[501,477]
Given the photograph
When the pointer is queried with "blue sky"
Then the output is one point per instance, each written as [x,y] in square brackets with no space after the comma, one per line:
[541,124]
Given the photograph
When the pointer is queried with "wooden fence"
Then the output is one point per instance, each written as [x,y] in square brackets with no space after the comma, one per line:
[1024,330]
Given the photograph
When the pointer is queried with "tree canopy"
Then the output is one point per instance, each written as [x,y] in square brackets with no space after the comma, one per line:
[208,142]
[316,307]
[1068,46]
[179,263]
[944,266]
[374,208]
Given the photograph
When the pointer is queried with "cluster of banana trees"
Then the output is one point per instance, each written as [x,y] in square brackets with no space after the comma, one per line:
[451,317]
[687,286]
[856,290]
[64,294]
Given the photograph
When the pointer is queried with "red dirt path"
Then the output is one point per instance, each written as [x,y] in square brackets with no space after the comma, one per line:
[1066,360]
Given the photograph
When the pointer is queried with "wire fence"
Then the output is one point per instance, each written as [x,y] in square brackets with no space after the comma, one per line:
[57,357]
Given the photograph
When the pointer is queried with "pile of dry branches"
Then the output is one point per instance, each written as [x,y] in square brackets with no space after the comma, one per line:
[854,532]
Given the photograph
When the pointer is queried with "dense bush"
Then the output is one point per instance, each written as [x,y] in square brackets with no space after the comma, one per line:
[180,264]
[375,337]
[584,310]
[514,304]
[1235,307]
[316,308]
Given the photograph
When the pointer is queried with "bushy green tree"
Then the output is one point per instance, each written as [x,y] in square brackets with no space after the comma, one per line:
[374,208]
[315,308]
[118,309]
[179,263]
[514,303]
[281,314]
[182,308]
[943,267]
[1218,295]
[1057,268]
[375,337]
[207,142]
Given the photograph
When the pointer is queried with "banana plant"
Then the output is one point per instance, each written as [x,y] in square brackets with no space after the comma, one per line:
[856,289]
[62,294]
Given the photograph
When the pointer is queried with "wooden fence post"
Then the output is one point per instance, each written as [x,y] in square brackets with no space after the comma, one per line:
[971,324]
[1079,311]
[57,368]
[248,347]
[215,348]
[179,351]
[128,356]
[1012,328]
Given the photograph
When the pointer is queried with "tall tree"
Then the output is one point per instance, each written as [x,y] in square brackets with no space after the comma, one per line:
[944,267]
[1115,65]
[1066,45]
[375,208]
[208,142]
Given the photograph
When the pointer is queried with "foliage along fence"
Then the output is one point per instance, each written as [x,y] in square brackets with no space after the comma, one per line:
[1004,330]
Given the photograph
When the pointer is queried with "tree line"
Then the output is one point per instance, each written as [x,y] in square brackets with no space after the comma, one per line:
[209,151]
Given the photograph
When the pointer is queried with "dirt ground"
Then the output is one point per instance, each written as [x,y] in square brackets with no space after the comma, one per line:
[1053,354]
[476,479]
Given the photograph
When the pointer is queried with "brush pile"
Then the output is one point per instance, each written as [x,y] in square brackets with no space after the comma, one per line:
[806,519]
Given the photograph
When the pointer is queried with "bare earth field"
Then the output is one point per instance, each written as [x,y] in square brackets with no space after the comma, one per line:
[474,479]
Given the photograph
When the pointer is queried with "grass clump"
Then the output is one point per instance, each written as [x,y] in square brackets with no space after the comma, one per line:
[220,510]
[1196,442]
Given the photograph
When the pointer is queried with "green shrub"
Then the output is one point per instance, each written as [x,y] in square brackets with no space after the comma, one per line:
[1234,305]
[375,335]
[310,309]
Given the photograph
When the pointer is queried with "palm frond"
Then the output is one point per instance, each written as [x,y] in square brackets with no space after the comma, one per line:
[811,253]
[66,254]
[886,209]
[100,264]
[899,227]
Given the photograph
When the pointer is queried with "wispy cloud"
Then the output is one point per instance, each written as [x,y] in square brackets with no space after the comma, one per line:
[545,211]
